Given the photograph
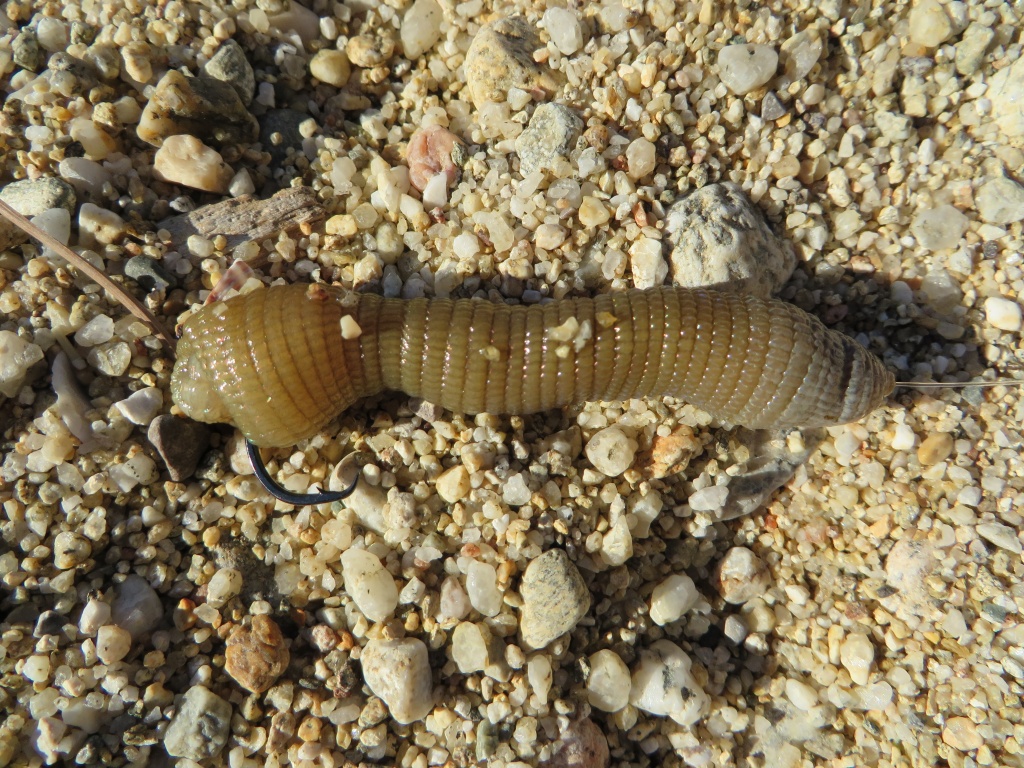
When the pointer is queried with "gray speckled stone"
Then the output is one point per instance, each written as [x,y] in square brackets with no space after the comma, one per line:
[554,599]
[26,52]
[552,132]
[501,57]
[148,273]
[203,107]
[720,239]
[200,727]
[230,65]
[30,198]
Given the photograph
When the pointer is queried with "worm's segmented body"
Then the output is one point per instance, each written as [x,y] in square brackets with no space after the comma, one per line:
[283,362]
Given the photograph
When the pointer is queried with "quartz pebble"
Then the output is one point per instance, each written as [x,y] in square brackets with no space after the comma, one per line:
[565,30]
[330,66]
[187,160]
[225,584]
[611,451]
[970,51]
[551,133]
[662,685]
[929,24]
[17,356]
[482,588]
[112,644]
[256,654]
[1000,201]
[857,654]
[95,614]
[421,28]
[398,671]
[142,407]
[647,263]
[672,598]
[501,57]
[202,107]
[741,576]
[935,448]
[554,597]
[230,65]
[1003,536]
[1003,314]
[961,733]
[938,228]
[471,644]
[70,550]
[200,726]
[453,484]
[608,682]
[721,240]
[431,153]
[617,544]
[745,67]
[136,606]
[369,584]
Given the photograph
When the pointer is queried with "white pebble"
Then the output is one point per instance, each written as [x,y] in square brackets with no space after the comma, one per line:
[709,499]
[938,228]
[617,544]
[564,29]
[608,683]
[640,158]
[98,226]
[95,614]
[929,24]
[672,598]
[369,584]
[802,695]
[398,671]
[37,668]
[421,28]
[745,67]
[516,492]
[482,588]
[112,643]
[1000,201]
[142,407]
[225,584]
[470,645]
[662,685]
[1003,314]
[538,673]
[611,451]
[453,484]
[903,438]
[1003,536]
[99,330]
[857,654]
[647,263]
[16,356]
[186,160]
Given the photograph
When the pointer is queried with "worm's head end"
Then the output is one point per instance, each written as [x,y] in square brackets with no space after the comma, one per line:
[192,387]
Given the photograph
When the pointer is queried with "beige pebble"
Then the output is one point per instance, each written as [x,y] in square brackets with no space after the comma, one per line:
[256,654]
[453,484]
[935,448]
[186,160]
[331,67]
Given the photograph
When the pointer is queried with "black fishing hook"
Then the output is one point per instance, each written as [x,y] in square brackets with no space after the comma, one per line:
[298,499]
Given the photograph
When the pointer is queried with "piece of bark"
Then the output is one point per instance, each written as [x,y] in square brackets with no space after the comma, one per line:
[245,218]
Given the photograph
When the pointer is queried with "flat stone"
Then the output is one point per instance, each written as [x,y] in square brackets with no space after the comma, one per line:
[203,107]
[720,239]
[256,654]
[200,726]
[180,443]
[31,197]
[501,57]
[550,135]
[554,597]
[230,65]
[148,273]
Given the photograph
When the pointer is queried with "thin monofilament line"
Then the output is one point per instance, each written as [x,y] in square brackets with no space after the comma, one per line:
[959,384]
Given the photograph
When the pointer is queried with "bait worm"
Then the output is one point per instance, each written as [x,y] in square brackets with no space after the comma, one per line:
[281,363]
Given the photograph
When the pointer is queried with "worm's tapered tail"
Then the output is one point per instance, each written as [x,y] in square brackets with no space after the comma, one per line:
[281,363]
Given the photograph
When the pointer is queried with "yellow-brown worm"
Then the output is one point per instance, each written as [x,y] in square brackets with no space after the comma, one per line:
[281,363]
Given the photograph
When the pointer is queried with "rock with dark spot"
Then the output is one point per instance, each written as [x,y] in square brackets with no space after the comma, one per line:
[180,443]
[555,598]
[26,52]
[148,273]
[49,623]
[202,106]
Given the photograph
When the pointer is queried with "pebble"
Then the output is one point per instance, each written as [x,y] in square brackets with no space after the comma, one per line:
[938,228]
[803,696]
[98,226]
[903,438]
[1003,314]
[181,443]
[538,673]
[611,451]
[230,65]
[907,566]
[720,239]
[800,53]
[584,745]
[17,356]
[432,152]
[709,499]
[741,576]
[501,57]
[49,623]
[200,726]
[25,51]
[929,24]
[1004,90]
[142,407]
[225,584]
[256,654]
[554,598]
[86,176]
[369,584]
[961,733]
[565,30]
[453,484]
[70,550]
[608,682]
[331,66]
[482,588]
[550,135]
[970,51]
[202,107]
[646,262]
[857,654]
[31,197]
[95,614]
[935,448]
[1000,201]
[112,644]
[370,50]
[148,273]
[421,28]
[617,544]
[188,161]
[1003,536]
[398,671]
[662,685]
[136,606]
[593,212]
[470,647]
[672,598]
[771,107]
[745,67]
